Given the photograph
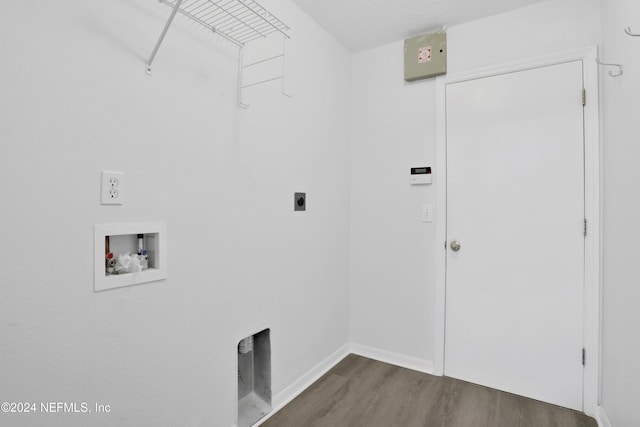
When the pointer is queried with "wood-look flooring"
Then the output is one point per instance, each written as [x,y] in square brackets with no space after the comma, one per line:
[360,392]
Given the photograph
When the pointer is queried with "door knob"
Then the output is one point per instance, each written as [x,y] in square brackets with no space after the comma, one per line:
[455,246]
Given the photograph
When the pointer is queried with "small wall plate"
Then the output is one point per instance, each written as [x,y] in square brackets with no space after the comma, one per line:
[300,202]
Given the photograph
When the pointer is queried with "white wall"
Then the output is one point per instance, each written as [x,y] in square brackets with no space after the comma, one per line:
[76,100]
[621,151]
[392,251]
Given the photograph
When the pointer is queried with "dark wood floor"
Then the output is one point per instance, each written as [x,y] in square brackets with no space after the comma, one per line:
[360,392]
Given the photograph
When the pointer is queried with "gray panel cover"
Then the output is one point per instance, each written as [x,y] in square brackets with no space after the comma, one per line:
[425,56]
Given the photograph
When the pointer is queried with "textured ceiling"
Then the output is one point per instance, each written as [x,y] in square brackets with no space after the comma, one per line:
[363,24]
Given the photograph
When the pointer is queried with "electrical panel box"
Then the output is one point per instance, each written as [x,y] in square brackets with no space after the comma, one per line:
[425,56]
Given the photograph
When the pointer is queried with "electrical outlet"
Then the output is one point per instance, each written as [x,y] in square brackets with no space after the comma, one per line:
[112,191]
[300,201]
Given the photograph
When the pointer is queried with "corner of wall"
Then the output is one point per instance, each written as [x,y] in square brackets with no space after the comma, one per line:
[602,418]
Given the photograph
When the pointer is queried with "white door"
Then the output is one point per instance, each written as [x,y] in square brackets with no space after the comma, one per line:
[515,204]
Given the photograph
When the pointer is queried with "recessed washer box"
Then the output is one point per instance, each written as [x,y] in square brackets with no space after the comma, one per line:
[126,238]
[425,56]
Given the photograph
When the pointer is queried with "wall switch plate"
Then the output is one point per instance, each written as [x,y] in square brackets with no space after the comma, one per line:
[112,188]
[427,213]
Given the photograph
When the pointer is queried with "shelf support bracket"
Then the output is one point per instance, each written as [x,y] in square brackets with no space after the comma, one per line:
[242,66]
[162,35]
[284,52]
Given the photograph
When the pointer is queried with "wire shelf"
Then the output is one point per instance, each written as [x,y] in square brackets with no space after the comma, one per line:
[239,21]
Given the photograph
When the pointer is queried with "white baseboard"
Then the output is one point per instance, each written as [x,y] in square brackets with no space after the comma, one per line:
[397,359]
[302,383]
[602,418]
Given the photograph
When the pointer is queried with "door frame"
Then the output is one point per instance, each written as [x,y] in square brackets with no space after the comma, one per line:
[593,256]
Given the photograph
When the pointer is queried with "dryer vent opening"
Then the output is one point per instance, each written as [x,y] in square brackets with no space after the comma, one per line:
[254,378]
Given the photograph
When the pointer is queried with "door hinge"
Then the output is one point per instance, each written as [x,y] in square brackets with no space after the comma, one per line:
[584,97]
[584,357]
[585,227]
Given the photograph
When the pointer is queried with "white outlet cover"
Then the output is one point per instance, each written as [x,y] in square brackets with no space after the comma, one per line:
[112,188]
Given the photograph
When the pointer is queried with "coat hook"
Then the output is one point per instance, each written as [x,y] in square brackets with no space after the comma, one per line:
[628,31]
[612,65]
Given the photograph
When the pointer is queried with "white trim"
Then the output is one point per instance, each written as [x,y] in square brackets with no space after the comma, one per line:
[440,184]
[397,359]
[592,295]
[602,418]
[301,384]
[592,254]
[521,65]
